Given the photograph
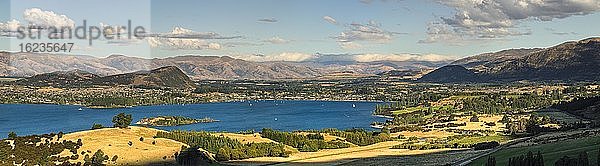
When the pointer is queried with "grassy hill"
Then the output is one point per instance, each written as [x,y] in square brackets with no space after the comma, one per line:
[551,152]
[114,141]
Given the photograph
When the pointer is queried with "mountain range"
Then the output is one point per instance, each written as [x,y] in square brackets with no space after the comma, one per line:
[196,67]
[569,61]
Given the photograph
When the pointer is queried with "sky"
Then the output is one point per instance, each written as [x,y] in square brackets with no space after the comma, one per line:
[303,30]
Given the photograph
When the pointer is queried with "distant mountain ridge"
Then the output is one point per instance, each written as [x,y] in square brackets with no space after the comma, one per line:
[569,61]
[196,67]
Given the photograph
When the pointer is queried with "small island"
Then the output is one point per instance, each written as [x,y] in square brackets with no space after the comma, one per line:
[173,121]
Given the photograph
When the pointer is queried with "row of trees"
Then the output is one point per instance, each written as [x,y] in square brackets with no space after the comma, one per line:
[531,125]
[304,143]
[225,148]
[424,146]
[495,104]
[580,160]
[414,145]
[482,103]
[527,160]
[360,137]
[577,104]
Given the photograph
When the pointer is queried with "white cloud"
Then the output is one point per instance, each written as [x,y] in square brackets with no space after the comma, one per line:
[9,28]
[267,20]
[370,32]
[45,19]
[441,32]
[434,57]
[365,32]
[372,57]
[186,39]
[284,57]
[401,57]
[10,25]
[182,44]
[277,40]
[330,19]
[491,19]
[366,1]
[183,33]
[350,45]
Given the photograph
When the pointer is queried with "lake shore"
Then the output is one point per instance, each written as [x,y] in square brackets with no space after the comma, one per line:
[223,101]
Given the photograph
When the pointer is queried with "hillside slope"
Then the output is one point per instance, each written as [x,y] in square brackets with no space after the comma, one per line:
[169,76]
[569,61]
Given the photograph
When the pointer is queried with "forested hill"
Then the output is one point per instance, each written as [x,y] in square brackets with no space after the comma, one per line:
[169,76]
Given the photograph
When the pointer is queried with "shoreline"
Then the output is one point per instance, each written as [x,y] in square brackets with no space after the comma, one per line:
[229,101]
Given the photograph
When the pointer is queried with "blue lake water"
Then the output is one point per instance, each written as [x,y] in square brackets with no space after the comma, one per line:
[26,119]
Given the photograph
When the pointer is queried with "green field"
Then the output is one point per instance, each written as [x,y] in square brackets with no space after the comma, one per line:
[475,140]
[551,152]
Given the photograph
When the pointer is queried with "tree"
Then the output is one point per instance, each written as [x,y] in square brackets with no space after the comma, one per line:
[309,146]
[540,158]
[532,160]
[452,117]
[97,126]
[505,119]
[223,154]
[98,158]
[12,135]
[385,130]
[565,161]
[474,118]
[533,124]
[122,120]
[491,161]
[583,159]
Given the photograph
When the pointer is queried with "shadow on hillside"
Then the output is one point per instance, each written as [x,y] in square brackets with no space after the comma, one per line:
[438,158]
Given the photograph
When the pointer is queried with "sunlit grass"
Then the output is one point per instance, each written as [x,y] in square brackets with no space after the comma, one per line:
[551,152]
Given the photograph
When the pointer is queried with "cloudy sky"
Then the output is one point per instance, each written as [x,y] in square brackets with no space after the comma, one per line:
[302,30]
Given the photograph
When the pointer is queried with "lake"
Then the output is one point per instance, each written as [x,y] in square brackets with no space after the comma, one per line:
[27,119]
